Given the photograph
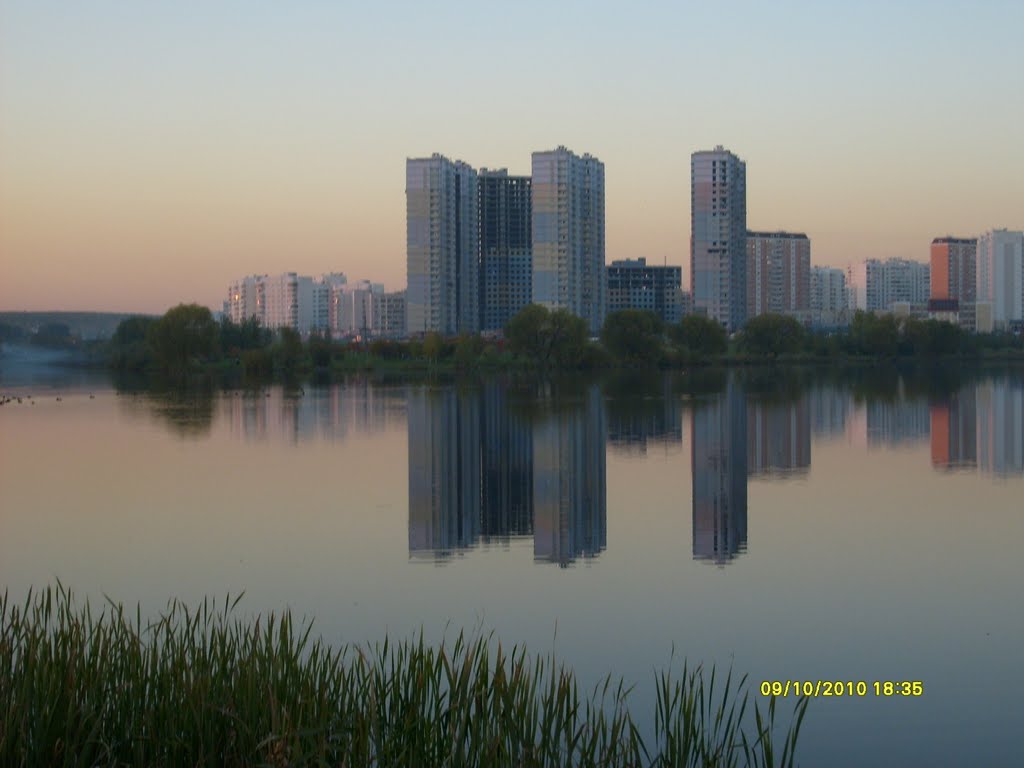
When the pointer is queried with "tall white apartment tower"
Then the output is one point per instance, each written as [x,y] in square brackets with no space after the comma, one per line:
[568,234]
[718,236]
[441,246]
[1000,275]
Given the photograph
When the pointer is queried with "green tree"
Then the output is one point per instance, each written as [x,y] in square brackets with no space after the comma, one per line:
[288,352]
[183,338]
[236,338]
[567,338]
[875,335]
[633,336]
[700,335]
[525,332]
[129,346]
[433,345]
[547,338]
[773,335]
[932,338]
[468,349]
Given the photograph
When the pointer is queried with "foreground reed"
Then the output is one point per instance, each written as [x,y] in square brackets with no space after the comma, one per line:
[201,687]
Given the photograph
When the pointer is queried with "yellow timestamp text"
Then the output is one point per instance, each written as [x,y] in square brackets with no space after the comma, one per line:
[836,688]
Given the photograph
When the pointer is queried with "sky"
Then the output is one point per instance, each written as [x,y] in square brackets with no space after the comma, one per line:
[151,152]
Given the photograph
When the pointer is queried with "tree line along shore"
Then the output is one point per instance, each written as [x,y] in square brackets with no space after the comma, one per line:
[187,340]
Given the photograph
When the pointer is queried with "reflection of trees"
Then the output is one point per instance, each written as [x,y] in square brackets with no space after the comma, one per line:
[641,406]
[187,413]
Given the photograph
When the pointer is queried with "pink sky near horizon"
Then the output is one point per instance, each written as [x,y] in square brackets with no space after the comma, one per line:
[150,155]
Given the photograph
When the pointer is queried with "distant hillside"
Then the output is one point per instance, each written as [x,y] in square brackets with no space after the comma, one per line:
[85,325]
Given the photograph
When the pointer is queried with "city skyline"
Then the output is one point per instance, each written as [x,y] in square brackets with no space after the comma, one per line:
[149,156]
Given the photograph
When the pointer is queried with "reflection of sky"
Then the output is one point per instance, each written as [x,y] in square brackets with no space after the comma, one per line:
[870,566]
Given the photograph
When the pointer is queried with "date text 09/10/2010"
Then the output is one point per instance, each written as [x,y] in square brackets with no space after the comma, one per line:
[836,688]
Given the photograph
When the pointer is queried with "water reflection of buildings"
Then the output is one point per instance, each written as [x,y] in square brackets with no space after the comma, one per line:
[778,438]
[830,409]
[954,426]
[330,413]
[481,471]
[1000,414]
[569,482]
[718,431]
[444,471]
[894,423]
[981,425]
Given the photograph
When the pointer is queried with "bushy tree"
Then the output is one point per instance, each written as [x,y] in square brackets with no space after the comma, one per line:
[129,346]
[932,338]
[633,336]
[547,338]
[876,335]
[183,338]
[238,337]
[288,353]
[773,335]
[700,335]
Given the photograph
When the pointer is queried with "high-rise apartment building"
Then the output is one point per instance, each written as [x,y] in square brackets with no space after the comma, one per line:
[1000,276]
[778,273]
[442,250]
[246,299]
[568,234]
[876,285]
[718,236]
[388,312]
[952,274]
[828,290]
[506,264]
[635,284]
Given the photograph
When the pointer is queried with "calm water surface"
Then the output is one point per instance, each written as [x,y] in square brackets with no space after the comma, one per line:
[857,528]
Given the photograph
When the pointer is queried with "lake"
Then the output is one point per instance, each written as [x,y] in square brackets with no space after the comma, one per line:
[847,526]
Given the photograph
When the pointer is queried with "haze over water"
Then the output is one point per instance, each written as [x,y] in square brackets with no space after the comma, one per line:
[795,527]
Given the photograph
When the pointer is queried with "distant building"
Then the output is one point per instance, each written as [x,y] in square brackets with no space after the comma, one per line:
[568,234]
[634,284]
[246,299]
[1000,277]
[388,315]
[718,236]
[778,273]
[442,252]
[505,241]
[876,285]
[325,304]
[830,299]
[953,280]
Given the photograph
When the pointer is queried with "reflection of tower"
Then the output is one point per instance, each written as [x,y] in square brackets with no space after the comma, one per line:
[719,463]
[897,423]
[1000,418]
[829,410]
[779,438]
[507,508]
[569,482]
[954,431]
[444,471]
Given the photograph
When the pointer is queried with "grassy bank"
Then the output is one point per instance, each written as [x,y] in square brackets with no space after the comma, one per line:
[80,686]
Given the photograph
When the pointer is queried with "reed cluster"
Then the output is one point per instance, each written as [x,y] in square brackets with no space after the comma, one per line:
[199,686]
